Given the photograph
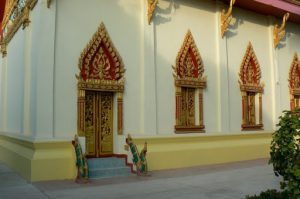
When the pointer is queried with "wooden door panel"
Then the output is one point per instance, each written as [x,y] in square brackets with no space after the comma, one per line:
[90,122]
[188,107]
[99,123]
[106,124]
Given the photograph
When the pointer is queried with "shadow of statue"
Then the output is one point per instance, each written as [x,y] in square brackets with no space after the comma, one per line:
[162,15]
[283,41]
[233,27]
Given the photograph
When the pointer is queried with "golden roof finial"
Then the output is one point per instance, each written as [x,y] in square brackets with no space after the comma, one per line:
[151,8]
[279,32]
[226,18]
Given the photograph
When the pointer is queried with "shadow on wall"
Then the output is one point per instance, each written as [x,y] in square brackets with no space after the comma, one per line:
[164,15]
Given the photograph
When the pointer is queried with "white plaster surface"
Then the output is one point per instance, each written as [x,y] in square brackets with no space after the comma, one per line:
[38,85]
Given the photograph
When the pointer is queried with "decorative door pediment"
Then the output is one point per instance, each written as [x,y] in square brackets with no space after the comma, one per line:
[294,83]
[188,71]
[250,73]
[101,67]
[294,76]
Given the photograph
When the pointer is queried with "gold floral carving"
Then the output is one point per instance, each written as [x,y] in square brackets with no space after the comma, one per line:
[226,18]
[294,83]
[188,77]
[188,71]
[21,18]
[279,32]
[100,78]
[250,86]
[151,8]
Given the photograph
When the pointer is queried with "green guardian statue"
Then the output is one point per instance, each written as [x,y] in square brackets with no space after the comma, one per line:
[139,160]
[81,162]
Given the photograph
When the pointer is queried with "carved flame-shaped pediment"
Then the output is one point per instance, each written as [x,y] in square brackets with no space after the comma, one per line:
[189,68]
[100,64]
[294,74]
[250,73]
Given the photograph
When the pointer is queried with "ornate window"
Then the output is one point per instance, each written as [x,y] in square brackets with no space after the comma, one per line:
[101,70]
[294,83]
[251,90]
[189,80]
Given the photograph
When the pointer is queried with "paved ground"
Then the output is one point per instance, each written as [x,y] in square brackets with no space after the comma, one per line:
[227,181]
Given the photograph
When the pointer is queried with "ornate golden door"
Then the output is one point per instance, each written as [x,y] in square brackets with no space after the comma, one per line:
[296,101]
[251,108]
[99,123]
[188,106]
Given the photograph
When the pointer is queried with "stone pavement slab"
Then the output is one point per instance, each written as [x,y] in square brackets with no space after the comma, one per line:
[226,181]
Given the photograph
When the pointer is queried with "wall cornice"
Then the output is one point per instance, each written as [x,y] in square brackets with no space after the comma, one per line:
[275,8]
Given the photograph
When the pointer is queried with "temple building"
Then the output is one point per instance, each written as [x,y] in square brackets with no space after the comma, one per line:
[201,81]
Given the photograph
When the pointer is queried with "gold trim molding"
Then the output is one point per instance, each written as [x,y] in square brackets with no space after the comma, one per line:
[9,7]
[101,85]
[279,32]
[21,19]
[151,8]
[226,18]
[3,50]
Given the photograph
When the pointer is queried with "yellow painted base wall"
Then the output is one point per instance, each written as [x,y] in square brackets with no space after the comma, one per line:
[195,150]
[38,161]
[56,160]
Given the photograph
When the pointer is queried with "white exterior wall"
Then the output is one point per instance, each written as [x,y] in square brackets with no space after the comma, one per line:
[171,25]
[250,28]
[26,102]
[284,58]
[15,78]
[73,32]
[38,87]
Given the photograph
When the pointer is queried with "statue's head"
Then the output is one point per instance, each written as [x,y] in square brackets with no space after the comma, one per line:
[128,139]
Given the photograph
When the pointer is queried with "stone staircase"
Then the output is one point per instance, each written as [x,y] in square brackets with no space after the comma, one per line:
[108,167]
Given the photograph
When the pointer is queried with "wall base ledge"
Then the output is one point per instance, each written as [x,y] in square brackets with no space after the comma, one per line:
[38,160]
[170,152]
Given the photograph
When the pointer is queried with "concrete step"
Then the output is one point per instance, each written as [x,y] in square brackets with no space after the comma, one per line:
[108,167]
[109,172]
[109,162]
